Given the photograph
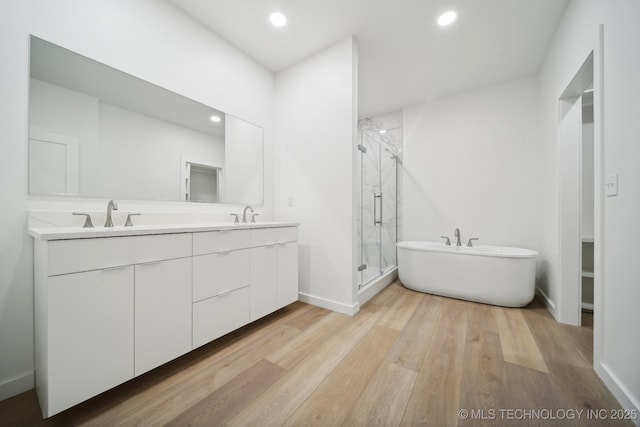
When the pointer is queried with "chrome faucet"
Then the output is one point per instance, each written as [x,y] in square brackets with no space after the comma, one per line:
[111,205]
[244,213]
[457,235]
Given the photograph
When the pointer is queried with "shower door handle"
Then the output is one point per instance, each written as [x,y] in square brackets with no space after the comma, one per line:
[377,199]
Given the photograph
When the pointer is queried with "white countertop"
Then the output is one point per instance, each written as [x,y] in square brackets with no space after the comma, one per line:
[63,233]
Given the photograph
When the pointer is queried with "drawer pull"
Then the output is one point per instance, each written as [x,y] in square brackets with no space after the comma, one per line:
[224,294]
[225,252]
[149,263]
[117,267]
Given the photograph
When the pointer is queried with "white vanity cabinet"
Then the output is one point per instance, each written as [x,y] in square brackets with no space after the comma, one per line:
[274,269]
[109,308]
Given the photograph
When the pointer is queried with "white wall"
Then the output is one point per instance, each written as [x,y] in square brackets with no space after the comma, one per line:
[472,161]
[315,134]
[147,38]
[616,341]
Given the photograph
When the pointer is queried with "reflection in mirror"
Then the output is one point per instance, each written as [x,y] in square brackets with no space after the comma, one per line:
[95,131]
[201,182]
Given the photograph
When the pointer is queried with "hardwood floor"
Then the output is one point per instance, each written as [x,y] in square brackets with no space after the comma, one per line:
[406,359]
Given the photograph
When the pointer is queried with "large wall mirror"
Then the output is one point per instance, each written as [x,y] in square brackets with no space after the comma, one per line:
[95,131]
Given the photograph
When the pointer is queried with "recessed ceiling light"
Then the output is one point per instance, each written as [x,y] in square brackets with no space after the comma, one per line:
[447,18]
[278,19]
[382,131]
[215,119]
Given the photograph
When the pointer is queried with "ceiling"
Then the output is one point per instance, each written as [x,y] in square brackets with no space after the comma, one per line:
[404,56]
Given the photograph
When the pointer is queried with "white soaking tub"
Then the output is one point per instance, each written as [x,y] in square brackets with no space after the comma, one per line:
[495,275]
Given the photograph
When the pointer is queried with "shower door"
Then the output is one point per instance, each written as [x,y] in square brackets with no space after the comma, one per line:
[377,227]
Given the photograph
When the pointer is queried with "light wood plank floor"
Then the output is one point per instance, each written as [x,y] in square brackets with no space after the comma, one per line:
[406,359]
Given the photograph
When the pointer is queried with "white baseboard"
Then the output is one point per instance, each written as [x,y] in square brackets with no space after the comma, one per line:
[329,304]
[372,289]
[17,385]
[548,303]
[619,391]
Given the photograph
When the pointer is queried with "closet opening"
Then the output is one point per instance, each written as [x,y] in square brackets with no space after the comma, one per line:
[577,154]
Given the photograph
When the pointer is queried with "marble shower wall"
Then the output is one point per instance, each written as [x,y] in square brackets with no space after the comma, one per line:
[378,168]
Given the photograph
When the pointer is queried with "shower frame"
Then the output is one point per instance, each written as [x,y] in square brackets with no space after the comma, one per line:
[378,211]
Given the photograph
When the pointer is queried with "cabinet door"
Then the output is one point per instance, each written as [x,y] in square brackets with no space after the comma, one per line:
[162,312]
[90,334]
[264,290]
[287,273]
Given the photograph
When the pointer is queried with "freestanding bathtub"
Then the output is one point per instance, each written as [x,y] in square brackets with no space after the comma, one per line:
[495,275]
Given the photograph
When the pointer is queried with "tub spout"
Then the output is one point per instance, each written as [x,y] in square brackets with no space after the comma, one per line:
[457,234]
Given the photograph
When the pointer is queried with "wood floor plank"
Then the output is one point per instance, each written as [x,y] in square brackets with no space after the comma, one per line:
[482,380]
[410,348]
[516,340]
[163,404]
[591,394]
[537,307]
[384,399]
[21,410]
[482,316]
[228,400]
[555,341]
[308,318]
[386,298]
[492,387]
[401,311]
[337,394]
[527,389]
[281,400]
[435,396]
[308,340]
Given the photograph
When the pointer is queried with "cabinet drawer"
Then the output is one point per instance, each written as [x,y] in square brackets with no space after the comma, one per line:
[68,256]
[218,241]
[221,272]
[217,316]
[270,236]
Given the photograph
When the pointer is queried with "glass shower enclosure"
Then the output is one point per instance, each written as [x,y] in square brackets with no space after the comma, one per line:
[380,148]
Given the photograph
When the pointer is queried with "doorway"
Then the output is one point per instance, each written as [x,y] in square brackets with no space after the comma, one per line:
[578,195]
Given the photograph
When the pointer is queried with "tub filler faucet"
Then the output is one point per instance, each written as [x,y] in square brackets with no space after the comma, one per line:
[457,235]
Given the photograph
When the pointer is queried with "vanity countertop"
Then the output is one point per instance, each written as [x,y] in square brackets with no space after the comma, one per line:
[64,233]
